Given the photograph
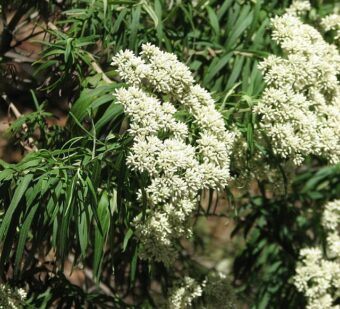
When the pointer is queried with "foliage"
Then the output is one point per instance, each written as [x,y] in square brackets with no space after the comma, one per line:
[276,229]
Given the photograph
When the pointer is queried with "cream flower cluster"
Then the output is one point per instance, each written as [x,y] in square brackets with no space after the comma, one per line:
[331,223]
[216,291]
[181,296]
[300,107]
[178,162]
[317,277]
[11,298]
[299,7]
[332,23]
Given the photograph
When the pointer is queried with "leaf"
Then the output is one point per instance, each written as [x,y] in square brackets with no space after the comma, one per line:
[83,231]
[243,21]
[134,265]
[151,13]
[90,97]
[111,114]
[237,68]
[224,7]
[135,23]
[105,7]
[17,196]
[127,237]
[216,66]
[213,20]
[23,236]
[6,174]
[101,232]
[68,49]
[119,21]
[92,190]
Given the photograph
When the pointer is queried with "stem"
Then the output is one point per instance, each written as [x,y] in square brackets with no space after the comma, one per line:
[7,34]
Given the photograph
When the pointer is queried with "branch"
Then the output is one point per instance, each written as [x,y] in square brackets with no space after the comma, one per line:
[30,142]
[98,69]
[89,274]
[7,33]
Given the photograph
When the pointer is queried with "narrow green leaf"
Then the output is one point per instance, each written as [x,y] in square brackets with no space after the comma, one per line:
[105,7]
[151,12]
[237,68]
[68,49]
[23,236]
[6,174]
[213,20]
[224,7]
[243,21]
[135,23]
[83,231]
[127,237]
[101,233]
[17,196]
[216,66]
[134,265]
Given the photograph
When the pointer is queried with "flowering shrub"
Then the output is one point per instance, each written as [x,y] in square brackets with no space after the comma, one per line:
[173,154]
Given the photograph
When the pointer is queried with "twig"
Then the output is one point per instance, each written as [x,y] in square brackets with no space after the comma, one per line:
[17,114]
[15,111]
[32,35]
[98,69]
[89,274]
[18,57]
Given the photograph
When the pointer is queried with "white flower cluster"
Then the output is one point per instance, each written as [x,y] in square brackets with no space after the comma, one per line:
[11,298]
[181,296]
[178,162]
[317,277]
[300,108]
[216,291]
[299,7]
[332,23]
[331,223]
